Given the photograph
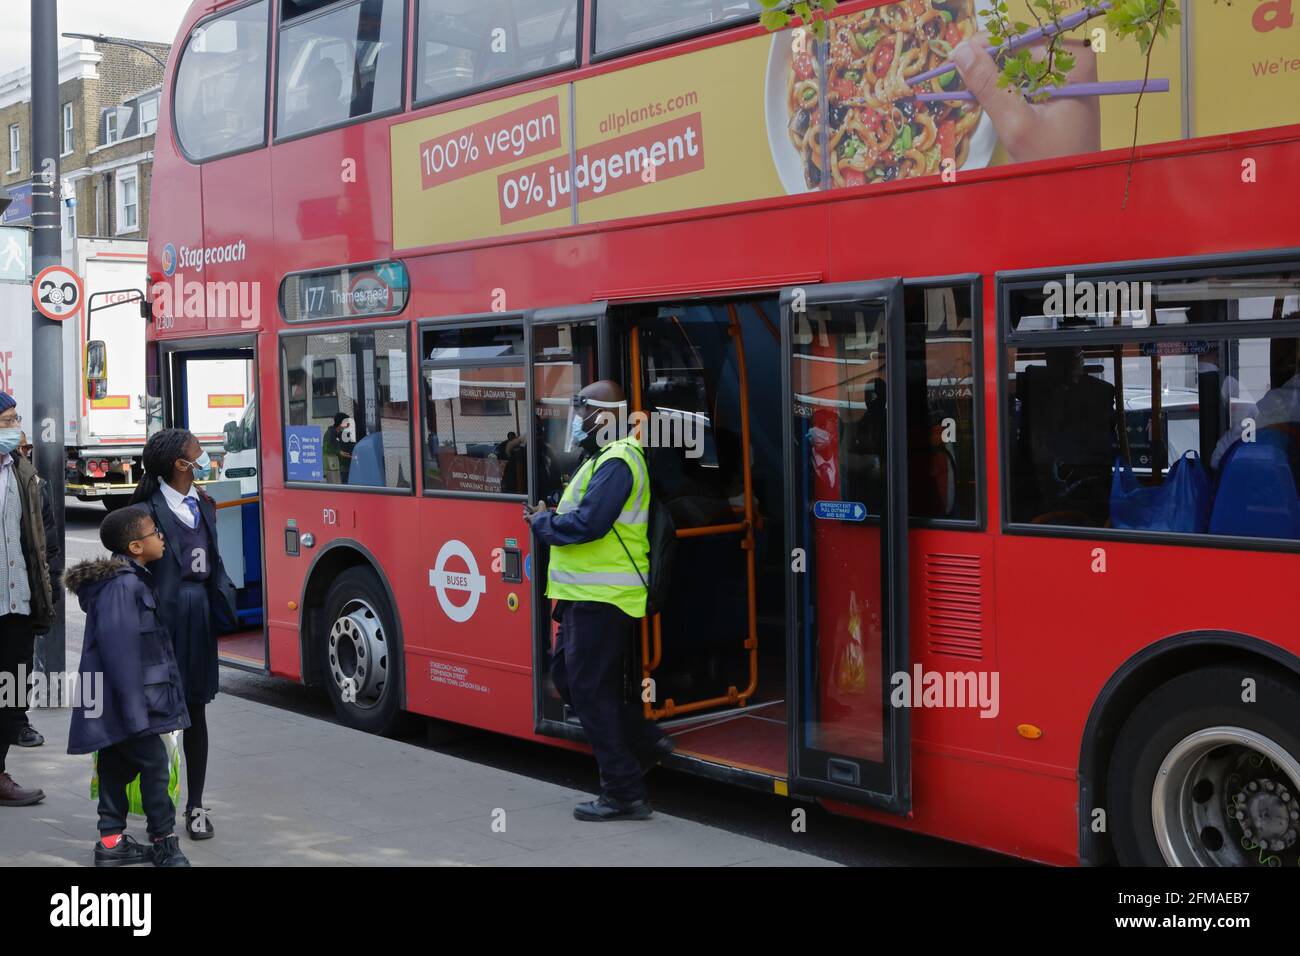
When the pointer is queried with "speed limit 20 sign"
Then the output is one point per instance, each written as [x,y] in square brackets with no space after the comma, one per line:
[57,292]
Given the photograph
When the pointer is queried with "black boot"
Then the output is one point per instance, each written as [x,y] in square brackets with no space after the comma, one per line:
[167,852]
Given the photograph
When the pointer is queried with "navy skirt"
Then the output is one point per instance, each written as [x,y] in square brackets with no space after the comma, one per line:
[195,643]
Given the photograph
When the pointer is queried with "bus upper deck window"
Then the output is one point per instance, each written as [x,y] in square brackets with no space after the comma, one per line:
[632,23]
[220,93]
[465,45]
[339,65]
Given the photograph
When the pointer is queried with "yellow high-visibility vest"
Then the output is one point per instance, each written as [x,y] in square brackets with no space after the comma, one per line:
[602,570]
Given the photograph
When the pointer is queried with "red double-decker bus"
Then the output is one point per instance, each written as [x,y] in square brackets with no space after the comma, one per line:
[983,459]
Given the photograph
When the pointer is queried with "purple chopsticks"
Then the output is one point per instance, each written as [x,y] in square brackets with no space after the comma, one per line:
[1112,88]
[1033,36]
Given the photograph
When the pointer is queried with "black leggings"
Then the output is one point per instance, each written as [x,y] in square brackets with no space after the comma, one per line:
[195,743]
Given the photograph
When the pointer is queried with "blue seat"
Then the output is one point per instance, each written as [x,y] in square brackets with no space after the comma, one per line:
[368,462]
[1257,492]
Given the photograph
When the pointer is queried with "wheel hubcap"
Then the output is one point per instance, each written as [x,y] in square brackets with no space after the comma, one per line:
[358,655]
[1226,796]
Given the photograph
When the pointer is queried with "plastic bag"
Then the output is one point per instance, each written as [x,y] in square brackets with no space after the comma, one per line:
[1181,503]
[135,801]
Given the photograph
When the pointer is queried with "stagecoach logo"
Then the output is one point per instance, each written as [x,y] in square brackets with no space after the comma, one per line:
[443,580]
[169,259]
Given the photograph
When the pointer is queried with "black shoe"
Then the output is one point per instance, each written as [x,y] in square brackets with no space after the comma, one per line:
[167,852]
[601,809]
[199,824]
[126,853]
[663,747]
[28,737]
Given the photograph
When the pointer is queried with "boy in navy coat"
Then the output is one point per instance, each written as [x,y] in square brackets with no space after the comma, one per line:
[140,697]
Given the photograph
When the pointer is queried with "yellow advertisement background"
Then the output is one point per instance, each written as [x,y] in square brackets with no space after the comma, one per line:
[1227,96]
[1161,114]
[465,208]
[730,81]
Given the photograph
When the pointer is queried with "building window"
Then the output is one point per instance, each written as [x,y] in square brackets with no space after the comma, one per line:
[148,113]
[347,413]
[72,220]
[128,200]
[1157,405]
[220,93]
[339,66]
[67,128]
[464,46]
[15,147]
[110,125]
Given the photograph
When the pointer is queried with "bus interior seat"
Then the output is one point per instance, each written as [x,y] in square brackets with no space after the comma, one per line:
[1257,495]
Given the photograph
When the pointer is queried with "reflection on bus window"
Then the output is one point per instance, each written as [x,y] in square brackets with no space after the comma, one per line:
[347,409]
[840,404]
[475,416]
[1078,304]
[220,92]
[470,44]
[1196,435]
[941,467]
[627,23]
[564,362]
[339,66]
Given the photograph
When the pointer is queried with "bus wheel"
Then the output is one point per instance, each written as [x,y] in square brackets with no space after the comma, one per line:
[1201,777]
[363,670]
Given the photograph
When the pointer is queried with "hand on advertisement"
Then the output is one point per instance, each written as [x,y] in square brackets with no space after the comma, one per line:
[1029,131]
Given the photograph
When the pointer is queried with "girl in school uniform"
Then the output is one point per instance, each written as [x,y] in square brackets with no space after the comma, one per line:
[196,598]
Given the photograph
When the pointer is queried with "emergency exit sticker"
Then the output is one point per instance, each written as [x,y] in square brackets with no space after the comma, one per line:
[840,510]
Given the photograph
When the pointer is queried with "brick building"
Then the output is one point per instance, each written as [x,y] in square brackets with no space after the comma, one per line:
[108,110]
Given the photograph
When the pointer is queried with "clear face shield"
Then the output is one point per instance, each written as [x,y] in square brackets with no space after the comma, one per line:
[584,421]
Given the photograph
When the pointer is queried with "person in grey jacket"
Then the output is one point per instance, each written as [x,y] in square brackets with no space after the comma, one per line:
[26,597]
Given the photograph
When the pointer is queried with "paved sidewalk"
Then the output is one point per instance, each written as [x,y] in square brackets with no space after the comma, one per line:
[288,790]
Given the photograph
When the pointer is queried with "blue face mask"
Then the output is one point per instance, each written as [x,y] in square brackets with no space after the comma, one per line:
[576,431]
[201,466]
[10,439]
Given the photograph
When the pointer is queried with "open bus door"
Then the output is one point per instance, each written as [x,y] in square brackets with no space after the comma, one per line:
[568,349]
[209,387]
[843,385]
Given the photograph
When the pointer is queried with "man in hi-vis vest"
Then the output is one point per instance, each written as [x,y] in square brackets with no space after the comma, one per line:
[599,565]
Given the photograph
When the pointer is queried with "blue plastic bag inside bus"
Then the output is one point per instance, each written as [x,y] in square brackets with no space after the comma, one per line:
[1182,502]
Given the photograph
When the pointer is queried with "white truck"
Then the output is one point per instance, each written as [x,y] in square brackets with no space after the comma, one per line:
[103,368]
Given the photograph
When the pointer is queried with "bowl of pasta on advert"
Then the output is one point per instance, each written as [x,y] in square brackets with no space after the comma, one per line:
[876,131]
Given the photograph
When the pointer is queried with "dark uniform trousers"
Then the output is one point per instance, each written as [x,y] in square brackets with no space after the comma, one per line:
[591,649]
[118,765]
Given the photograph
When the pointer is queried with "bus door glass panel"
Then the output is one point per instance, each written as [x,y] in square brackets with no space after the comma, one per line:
[565,359]
[848,530]
[215,394]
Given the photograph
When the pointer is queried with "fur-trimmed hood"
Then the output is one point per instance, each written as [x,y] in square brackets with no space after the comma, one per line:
[94,571]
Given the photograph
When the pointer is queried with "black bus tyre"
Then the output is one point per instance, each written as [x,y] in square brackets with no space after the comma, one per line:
[1201,777]
[360,660]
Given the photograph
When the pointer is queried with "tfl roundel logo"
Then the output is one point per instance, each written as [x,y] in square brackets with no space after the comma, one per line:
[169,259]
